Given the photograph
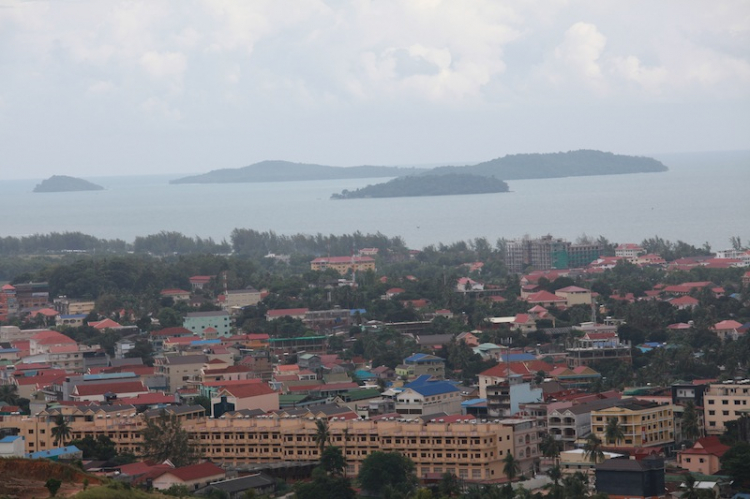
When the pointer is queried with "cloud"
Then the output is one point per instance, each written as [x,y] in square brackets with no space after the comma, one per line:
[162,65]
[101,87]
[577,58]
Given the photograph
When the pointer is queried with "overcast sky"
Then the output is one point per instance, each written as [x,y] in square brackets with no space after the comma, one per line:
[93,88]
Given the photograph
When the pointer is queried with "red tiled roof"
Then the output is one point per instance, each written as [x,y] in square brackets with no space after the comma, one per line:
[573,289]
[174,291]
[233,382]
[248,390]
[139,468]
[100,389]
[51,338]
[727,325]
[172,331]
[148,399]
[543,296]
[105,324]
[196,471]
[684,300]
[197,279]
[286,311]
[47,312]
[707,445]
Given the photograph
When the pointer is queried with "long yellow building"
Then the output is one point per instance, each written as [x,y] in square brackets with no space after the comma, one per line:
[470,450]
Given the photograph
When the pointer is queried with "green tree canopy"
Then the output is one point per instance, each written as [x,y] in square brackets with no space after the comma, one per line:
[384,471]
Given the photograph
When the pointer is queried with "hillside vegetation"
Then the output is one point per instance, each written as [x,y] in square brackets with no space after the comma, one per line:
[428,185]
[63,183]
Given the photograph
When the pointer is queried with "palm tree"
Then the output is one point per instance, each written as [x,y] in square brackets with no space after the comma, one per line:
[510,467]
[556,491]
[614,432]
[593,448]
[574,486]
[322,434]
[61,430]
[550,447]
[690,424]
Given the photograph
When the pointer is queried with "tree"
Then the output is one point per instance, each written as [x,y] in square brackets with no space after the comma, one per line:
[690,424]
[53,485]
[449,485]
[322,435]
[556,490]
[387,471]
[511,467]
[332,461]
[9,394]
[61,430]
[574,486]
[614,432]
[164,438]
[592,449]
[550,447]
[101,448]
[204,401]
[691,492]
[735,463]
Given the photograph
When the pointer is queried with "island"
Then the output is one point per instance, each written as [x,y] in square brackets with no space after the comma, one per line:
[560,164]
[428,185]
[286,171]
[63,183]
[510,167]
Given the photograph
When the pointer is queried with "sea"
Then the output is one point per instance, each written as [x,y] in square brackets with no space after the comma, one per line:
[704,197]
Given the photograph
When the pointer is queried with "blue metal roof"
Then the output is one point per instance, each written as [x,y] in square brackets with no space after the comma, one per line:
[422,357]
[60,451]
[10,438]
[518,357]
[91,377]
[205,342]
[433,388]
[74,316]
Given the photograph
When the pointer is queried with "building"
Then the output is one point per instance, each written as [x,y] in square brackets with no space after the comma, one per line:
[728,329]
[237,488]
[569,423]
[12,446]
[245,396]
[645,424]
[180,369]
[629,251]
[66,306]
[526,441]
[32,295]
[236,299]
[344,264]
[423,397]
[421,364]
[329,319]
[547,253]
[576,461]
[596,347]
[723,402]
[704,457]
[631,479]
[8,302]
[199,322]
[102,392]
[471,450]
[198,282]
[193,477]
[575,295]
[505,398]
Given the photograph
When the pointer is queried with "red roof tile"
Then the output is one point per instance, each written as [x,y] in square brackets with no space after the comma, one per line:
[196,471]
[85,390]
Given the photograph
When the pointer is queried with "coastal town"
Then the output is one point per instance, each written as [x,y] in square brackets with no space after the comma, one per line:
[538,366]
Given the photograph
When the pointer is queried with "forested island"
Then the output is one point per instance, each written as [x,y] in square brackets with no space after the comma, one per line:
[285,171]
[428,185]
[63,183]
[510,167]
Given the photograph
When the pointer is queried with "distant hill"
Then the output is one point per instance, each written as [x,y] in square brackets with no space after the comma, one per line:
[428,185]
[63,183]
[559,164]
[285,171]
[511,167]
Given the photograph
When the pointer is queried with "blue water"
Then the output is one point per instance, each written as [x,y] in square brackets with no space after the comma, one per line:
[703,198]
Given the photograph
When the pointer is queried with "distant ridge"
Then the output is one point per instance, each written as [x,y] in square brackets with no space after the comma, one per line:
[286,171]
[510,167]
[63,183]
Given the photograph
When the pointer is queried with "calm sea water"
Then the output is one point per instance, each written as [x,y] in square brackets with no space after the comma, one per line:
[704,197]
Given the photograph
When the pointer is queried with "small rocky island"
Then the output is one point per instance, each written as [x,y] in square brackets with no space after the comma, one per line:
[428,185]
[63,183]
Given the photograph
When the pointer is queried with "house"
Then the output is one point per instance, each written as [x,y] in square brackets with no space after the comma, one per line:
[193,477]
[645,424]
[105,324]
[728,329]
[467,285]
[546,299]
[200,281]
[180,369]
[101,392]
[12,446]
[724,402]
[684,302]
[236,299]
[634,479]
[574,295]
[68,453]
[704,457]
[568,422]
[525,323]
[629,251]
[470,339]
[422,364]
[294,313]
[244,396]
[238,488]
[176,294]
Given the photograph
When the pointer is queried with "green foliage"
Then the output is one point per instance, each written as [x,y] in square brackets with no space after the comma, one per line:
[735,463]
[61,430]
[381,472]
[333,461]
[177,490]
[428,185]
[164,438]
[53,485]
[101,448]
[325,486]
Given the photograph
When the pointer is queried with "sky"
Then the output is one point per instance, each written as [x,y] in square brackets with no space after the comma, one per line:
[95,88]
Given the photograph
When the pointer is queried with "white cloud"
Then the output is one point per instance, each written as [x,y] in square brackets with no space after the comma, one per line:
[577,57]
[631,69]
[164,64]
[101,87]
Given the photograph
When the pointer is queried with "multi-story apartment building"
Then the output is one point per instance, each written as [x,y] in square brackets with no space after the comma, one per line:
[344,264]
[472,450]
[8,302]
[236,299]
[180,369]
[208,324]
[526,440]
[428,397]
[645,424]
[67,306]
[547,253]
[422,364]
[505,398]
[724,402]
[595,347]
[568,422]
[32,295]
